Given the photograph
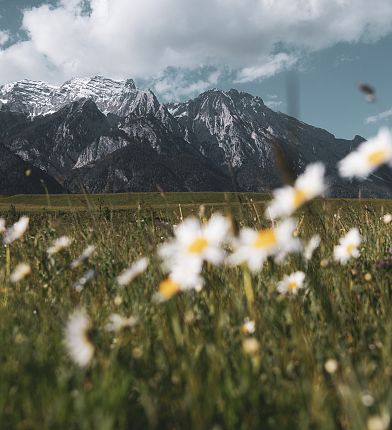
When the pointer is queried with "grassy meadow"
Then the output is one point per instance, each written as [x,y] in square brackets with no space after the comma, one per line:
[319,360]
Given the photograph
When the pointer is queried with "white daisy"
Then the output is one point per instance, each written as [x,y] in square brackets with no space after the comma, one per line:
[254,247]
[21,271]
[17,230]
[2,225]
[196,241]
[77,341]
[117,322]
[387,218]
[348,246]
[311,246]
[86,254]
[128,275]
[290,284]
[248,327]
[59,245]
[368,157]
[288,199]
[84,280]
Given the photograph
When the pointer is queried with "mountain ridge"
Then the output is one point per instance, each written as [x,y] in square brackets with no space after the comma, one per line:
[99,135]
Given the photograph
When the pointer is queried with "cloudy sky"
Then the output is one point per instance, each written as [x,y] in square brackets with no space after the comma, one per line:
[182,47]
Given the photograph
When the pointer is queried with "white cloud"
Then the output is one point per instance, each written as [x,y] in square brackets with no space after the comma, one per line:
[4,37]
[379,117]
[182,83]
[142,38]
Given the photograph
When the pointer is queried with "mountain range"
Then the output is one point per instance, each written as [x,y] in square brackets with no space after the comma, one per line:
[102,135]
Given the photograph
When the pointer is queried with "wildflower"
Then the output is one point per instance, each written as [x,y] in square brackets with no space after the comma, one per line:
[248,327]
[288,199]
[251,346]
[368,277]
[290,284]
[59,245]
[311,246]
[128,275]
[86,254]
[348,246]
[331,365]
[21,271]
[198,242]
[2,225]
[368,157]
[367,400]
[181,278]
[378,422]
[254,247]
[84,280]
[17,230]
[387,218]
[117,322]
[77,341]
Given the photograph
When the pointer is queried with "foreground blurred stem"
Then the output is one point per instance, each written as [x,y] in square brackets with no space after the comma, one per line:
[7,261]
[248,287]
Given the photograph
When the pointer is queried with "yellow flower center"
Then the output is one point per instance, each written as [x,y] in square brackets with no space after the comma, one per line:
[198,245]
[265,239]
[292,286]
[299,198]
[377,157]
[350,248]
[168,288]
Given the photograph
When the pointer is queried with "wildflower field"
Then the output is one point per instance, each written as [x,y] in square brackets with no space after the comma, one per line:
[94,333]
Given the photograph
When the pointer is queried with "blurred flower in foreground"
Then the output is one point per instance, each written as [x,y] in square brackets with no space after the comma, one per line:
[128,275]
[368,157]
[248,327]
[2,225]
[251,346]
[254,247]
[117,322]
[311,246]
[288,199]
[59,245]
[197,242]
[290,284]
[86,254]
[182,277]
[84,280]
[21,271]
[77,341]
[379,422]
[331,365]
[17,230]
[387,218]
[348,246]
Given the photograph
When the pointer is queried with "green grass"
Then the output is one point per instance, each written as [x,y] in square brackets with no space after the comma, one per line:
[183,365]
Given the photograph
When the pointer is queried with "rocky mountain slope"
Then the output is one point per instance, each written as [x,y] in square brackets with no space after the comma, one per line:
[102,135]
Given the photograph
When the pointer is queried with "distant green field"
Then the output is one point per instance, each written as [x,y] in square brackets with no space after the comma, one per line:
[124,200]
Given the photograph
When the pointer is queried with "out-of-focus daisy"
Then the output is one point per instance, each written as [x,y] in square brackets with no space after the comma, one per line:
[21,271]
[348,246]
[86,254]
[387,218]
[128,275]
[290,284]
[196,241]
[182,277]
[288,199]
[17,230]
[368,157]
[2,225]
[248,327]
[251,346]
[84,280]
[254,247]
[311,246]
[59,245]
[331,365]
[77,341]
[117,322]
